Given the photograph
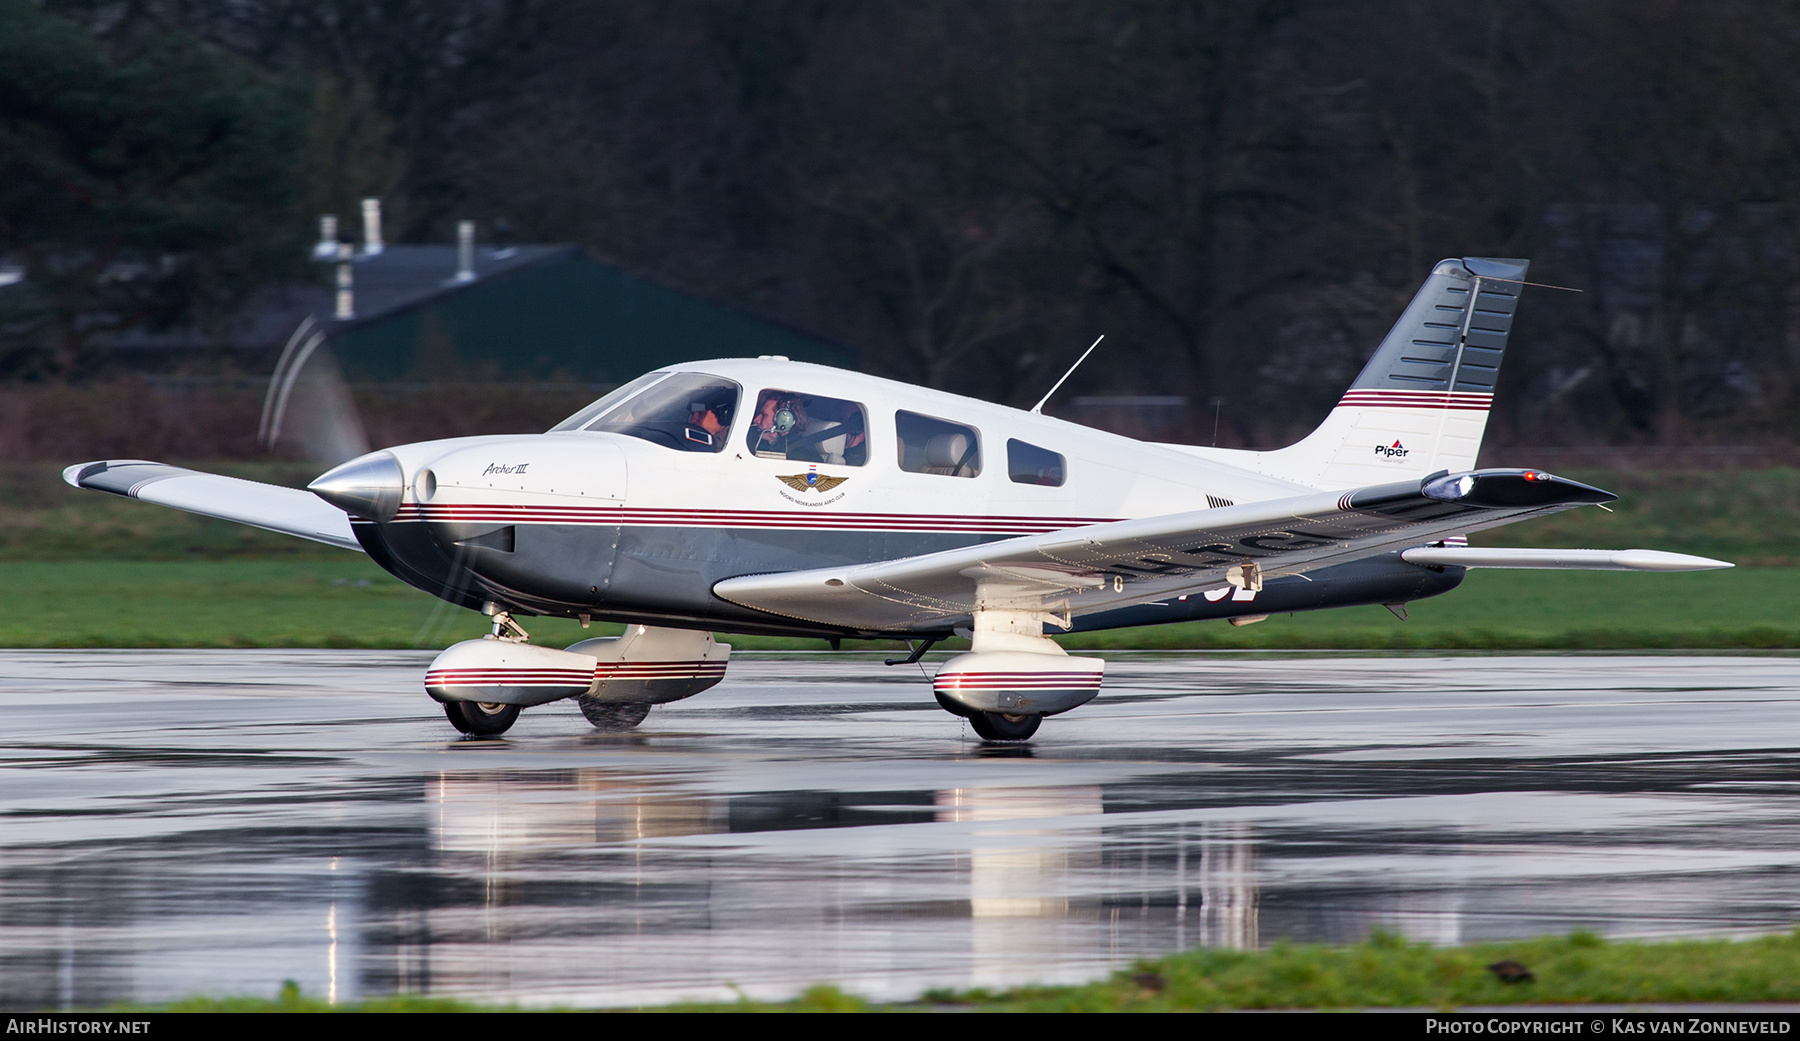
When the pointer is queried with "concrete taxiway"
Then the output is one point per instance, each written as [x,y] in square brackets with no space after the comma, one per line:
[181,822]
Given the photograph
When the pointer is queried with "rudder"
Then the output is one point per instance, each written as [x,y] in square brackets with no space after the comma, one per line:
[1421,403]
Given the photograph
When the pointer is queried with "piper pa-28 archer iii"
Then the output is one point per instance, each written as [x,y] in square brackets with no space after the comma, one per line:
[769,496]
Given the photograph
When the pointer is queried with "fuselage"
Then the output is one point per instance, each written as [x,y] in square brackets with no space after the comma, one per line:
[635,509]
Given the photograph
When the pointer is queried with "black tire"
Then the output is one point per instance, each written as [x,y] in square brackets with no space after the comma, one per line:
[999,726]
[481,719]
[613,717]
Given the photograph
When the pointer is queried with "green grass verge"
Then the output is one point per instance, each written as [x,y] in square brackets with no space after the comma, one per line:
[345,601]
[1748,516]
[99,570]
[1384,972]
[1387,972]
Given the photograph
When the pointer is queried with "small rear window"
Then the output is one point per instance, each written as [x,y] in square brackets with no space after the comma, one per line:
[1029,464]
[937,446]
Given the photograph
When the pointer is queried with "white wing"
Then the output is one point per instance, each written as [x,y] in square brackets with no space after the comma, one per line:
[1101,567]
[289,511]
[1561,559]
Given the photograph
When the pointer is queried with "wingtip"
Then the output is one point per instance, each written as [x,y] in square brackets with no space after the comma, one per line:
[80,472]
[72,475]
[1663,560]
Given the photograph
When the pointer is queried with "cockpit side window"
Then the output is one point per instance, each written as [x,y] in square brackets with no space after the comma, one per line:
[606,404]
[1029,464]
[689,412]
[937,446]
[808,428]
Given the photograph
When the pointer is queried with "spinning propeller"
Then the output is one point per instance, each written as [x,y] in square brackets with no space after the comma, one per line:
[308,405]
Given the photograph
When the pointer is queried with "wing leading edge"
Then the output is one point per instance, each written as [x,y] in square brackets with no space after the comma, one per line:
[1078,571]
[289,511]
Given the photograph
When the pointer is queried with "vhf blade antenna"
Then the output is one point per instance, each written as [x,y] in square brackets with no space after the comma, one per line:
[1038,408]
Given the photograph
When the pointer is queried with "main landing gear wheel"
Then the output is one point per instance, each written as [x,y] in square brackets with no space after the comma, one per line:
[481,718]
[613,717]
[1003,726]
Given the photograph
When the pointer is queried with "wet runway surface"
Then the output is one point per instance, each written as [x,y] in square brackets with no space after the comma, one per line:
[177,822]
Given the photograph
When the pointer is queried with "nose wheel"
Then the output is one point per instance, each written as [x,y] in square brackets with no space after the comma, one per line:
[481,718]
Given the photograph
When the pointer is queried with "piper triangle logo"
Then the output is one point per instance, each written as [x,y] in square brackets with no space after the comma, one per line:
[1393,451]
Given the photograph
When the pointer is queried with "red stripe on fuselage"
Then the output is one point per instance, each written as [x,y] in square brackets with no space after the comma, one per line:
[646,517]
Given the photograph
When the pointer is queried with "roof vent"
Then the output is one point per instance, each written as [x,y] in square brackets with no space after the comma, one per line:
[326,248]
[371,209]
[465,251]
[346,300]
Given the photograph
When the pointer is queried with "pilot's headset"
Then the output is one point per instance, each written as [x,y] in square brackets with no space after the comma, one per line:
[787,415]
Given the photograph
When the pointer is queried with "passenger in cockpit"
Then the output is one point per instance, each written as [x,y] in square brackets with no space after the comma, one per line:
[841,434]
[779,419]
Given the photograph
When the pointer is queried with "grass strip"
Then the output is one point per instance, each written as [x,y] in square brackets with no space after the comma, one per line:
[1388,972]
[1745,516]
[1384,972]
[343,600]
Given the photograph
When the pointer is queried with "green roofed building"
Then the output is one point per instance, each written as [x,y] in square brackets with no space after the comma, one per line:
[536,313]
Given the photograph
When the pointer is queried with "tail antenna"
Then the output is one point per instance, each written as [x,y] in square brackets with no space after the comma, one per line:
[1038,408]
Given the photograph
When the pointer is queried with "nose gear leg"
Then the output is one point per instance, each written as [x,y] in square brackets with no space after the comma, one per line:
[505,627]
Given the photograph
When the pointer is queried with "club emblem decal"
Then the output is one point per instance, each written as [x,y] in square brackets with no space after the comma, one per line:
[811,480]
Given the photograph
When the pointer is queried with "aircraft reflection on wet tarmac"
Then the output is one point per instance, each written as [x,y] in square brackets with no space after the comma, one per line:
[216,822]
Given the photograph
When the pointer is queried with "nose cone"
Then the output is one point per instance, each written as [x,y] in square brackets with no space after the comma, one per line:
[368,486]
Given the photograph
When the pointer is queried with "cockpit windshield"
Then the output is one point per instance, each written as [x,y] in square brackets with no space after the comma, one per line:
[688,411]
[606,404]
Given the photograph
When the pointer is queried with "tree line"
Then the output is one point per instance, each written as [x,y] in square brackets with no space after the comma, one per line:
[1241,193]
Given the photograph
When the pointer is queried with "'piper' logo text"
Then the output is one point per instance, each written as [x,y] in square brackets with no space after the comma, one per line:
[502,468]
[1393,451]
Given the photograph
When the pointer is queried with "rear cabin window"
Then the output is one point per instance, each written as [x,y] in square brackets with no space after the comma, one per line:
[808,428]
[1029,464]
[689,412]
[937,446]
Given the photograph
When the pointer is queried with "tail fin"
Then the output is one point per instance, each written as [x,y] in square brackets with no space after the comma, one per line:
[1421,404]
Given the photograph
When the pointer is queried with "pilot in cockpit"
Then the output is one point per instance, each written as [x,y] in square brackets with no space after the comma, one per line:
[779,419]
[707,417]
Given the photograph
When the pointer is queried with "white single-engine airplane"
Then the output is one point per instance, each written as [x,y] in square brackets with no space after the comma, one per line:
[769,496]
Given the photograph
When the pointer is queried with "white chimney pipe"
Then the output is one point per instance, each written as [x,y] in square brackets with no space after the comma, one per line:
[346,301]
[465,251]
[327,247]
[371,209]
